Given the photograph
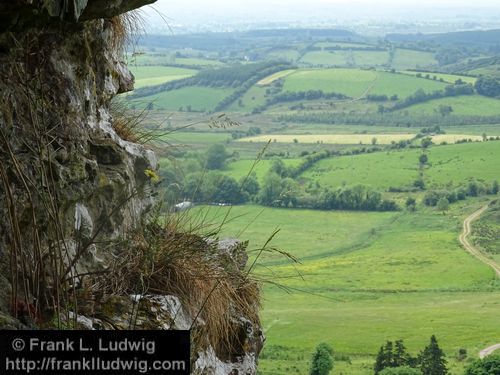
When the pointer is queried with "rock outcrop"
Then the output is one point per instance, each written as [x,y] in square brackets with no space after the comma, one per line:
[71,188]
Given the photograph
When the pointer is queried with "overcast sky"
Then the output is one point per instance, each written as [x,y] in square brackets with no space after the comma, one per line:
[197,12]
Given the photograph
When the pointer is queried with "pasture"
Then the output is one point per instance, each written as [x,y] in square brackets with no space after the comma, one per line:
[452,164]
[341,139]
[326,58]
[362,278]
[241,168]
[358,83]
[470,105]
[155,75]
[449,78]
[411,59]
[273,77]
[195,98]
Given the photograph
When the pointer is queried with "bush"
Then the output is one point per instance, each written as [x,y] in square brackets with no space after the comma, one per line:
[400,371]
[486,366]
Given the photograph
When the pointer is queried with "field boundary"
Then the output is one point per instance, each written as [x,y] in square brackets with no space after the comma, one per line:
[471,249]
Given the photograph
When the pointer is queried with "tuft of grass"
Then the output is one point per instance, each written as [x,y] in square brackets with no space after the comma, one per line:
[162,259]
[125,29]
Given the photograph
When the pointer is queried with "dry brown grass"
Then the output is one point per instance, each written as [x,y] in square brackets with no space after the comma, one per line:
[161,260]
[125,29]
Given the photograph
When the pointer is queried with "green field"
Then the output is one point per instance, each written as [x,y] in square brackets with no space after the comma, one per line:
[273,77]
[470,105]
[341,45]
[370,58]
[449,78]
[154,59]
[155,75]
[403,86]
[355,82]
[341,139]
[196,138]
[410,59]
[284,54]
[351,82]
[453,164]
[198,98]
[254,97]
[326,58]
[242,168]
[366,278]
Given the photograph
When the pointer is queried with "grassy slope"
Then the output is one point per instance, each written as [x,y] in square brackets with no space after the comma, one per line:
[353,263]
[453,163]
[355,82]
[155,75]
[351,82]
[448,78]
[410,59]
[370,58]
[462,105]
[332,58]
[241,168]
[199,98]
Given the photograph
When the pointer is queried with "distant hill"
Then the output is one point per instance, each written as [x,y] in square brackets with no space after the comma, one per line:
[241,40]
[484,38]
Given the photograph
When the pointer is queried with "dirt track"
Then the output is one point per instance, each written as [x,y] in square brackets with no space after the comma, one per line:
[470,248]
[483,258]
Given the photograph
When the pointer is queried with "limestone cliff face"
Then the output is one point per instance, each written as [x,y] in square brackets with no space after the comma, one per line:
[69,185]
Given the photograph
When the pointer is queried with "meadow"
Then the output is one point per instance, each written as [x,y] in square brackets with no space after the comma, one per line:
[452,164]
[156,75]
[411,59]
[326,58]
[357,83]
[341,139]
[356,139]
[187,98]
[362,278]
[462,105]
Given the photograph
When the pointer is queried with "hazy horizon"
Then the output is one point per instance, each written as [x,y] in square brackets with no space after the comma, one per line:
[221,14]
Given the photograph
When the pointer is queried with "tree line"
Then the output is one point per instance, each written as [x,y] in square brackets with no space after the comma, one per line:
[232,76]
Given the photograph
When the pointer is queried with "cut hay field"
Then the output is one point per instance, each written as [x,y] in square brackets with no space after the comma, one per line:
[198,98]
[356,82]
[364,277]
[454,164]
[155,75]
[470,105]
[273,77]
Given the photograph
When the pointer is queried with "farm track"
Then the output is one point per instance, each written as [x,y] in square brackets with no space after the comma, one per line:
[470,248]
[483,258]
